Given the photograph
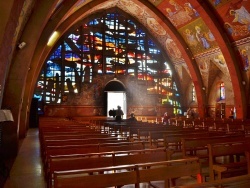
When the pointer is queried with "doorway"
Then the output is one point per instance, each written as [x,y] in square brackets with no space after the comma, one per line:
[220,110]
[117,98]
[115,94]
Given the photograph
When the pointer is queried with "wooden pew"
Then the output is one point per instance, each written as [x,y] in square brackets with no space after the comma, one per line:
[56,142]
[174,140]
[235,127]
[90,148]
[199,124]
[247,154]
[64,131]
[234,165]
[104,159]
[136,129]
[242,181]
[188,122]
[71,136]
[142,132]
[246,128]
[80,178]
[197,146]
[121,147]
[128,174]
[158,137]
[78,141]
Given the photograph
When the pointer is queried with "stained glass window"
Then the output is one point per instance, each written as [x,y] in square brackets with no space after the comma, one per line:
[193,93]
[222,91]
[109,43]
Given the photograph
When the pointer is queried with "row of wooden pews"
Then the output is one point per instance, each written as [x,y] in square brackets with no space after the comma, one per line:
[140,130]
[68,158]
[133,174]
[217,124]
[136,153]
[192,141]
[104,159]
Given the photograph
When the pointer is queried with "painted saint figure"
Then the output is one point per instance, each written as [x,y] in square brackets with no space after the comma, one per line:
[180,16]
[216,2]
[201,37]
[245,59]
[241,15]
[190,37]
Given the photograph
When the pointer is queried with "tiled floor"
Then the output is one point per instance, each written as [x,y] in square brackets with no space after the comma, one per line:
[27,171]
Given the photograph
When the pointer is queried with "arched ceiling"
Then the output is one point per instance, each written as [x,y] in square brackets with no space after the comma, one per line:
[203,39]
[189,31]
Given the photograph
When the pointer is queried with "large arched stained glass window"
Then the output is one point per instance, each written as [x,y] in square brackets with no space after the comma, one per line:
[106,44]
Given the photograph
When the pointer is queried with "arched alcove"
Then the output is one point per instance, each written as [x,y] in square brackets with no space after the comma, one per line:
[114,85]
[114,95]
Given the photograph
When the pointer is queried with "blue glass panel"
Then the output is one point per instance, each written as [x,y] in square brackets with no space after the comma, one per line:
[67,47]
[72,56]
[94,22]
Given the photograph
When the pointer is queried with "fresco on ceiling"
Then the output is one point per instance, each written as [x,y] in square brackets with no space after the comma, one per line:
[156,2]
[180,68]
[220,62]
[236,18]
[172,49]
[198,37]
[151,23]
[155,26]
[209,65]
[244,56]
[138,10]
[218,3]
[179,12]
[215,58]
[204,69]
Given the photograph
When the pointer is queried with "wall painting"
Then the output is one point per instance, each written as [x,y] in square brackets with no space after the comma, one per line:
[236,18]
[179,12]
[198,37]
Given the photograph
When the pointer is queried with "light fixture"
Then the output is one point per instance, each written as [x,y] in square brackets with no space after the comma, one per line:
[53,38]
[243,82]
[21,45]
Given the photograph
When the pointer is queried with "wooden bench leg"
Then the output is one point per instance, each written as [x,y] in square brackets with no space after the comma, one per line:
[167,183]
[173,180]
[219,176]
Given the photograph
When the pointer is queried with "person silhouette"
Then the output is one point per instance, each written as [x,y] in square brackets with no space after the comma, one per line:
[165,119]
[132,117]
[119,113]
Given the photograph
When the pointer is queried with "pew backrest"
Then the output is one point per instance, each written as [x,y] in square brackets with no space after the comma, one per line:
[120,175]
